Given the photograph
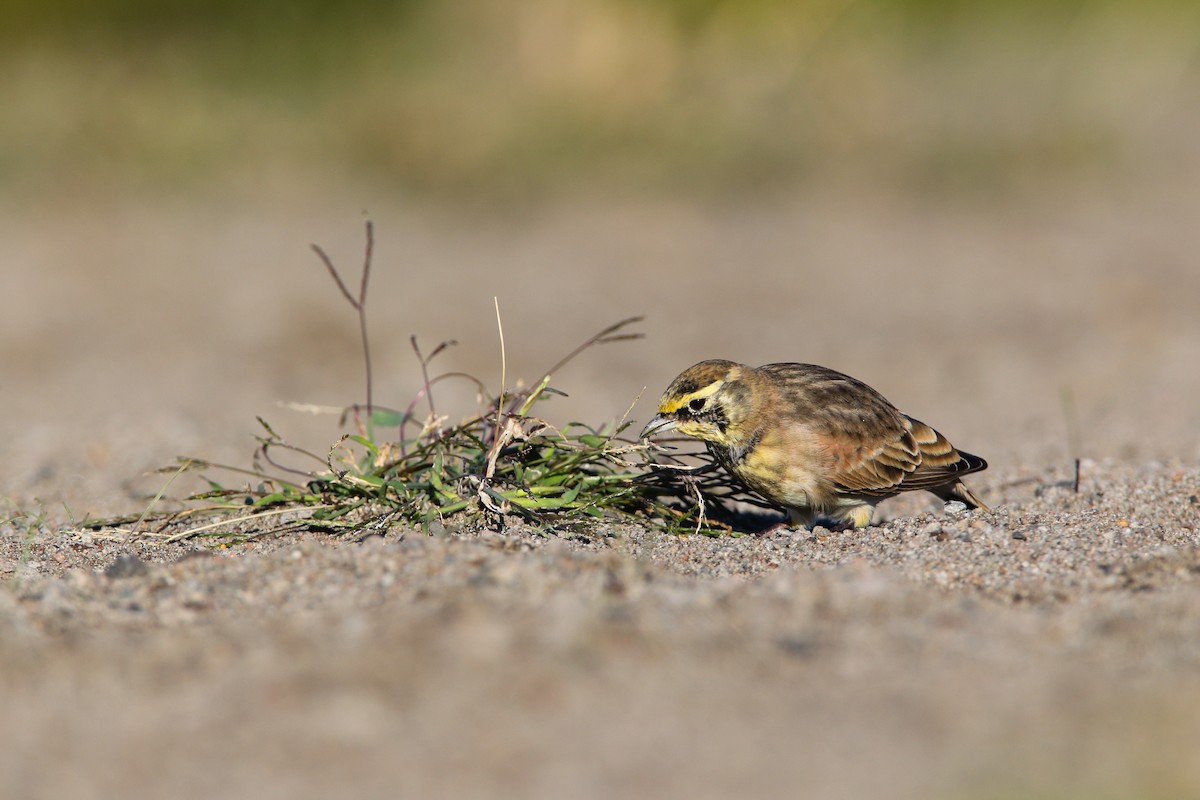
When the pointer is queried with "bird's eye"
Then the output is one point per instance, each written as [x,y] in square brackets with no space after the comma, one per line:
[696,406]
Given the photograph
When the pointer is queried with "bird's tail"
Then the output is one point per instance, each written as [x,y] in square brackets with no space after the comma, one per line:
[959,491]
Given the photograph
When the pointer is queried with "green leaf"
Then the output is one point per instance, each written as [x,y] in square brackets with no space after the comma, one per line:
[386,418]
[372,448]
[373,480]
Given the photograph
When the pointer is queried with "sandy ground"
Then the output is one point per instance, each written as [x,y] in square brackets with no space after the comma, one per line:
[1049,649]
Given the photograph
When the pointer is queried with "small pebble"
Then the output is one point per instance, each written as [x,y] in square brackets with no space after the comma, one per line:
[955,508]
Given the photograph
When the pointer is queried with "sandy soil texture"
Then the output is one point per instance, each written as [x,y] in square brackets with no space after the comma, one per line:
[1048,649]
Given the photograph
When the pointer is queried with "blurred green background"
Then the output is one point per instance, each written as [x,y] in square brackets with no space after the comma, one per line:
[484,100]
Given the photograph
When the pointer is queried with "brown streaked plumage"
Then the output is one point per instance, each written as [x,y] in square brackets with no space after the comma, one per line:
[819,443]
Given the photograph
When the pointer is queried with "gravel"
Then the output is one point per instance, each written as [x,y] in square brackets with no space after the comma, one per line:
[1047,646]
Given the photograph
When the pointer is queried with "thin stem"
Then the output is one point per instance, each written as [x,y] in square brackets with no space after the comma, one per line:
[359,304]
[603,337]
[321,254]
[362,316]
[503,366]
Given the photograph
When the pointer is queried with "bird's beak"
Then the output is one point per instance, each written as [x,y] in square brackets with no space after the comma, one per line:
[659,424]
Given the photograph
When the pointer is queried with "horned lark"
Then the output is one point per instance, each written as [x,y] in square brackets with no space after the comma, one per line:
[819,443]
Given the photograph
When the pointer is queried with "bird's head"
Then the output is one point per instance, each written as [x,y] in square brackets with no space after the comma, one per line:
[707,401]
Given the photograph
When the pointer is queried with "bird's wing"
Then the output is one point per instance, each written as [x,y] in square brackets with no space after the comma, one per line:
[910,455]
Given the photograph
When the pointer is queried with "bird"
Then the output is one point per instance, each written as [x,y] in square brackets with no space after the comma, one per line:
[822,445]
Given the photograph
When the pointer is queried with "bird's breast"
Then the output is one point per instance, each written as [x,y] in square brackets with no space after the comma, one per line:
[782,468]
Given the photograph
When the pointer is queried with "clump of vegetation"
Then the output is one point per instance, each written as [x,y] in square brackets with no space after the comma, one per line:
[502,461]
